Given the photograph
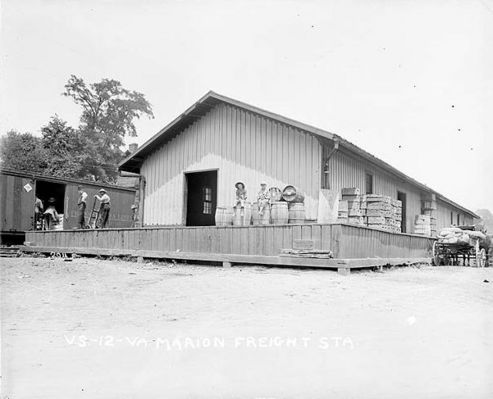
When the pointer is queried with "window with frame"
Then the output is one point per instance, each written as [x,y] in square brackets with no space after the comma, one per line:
[207,200]
[368,183]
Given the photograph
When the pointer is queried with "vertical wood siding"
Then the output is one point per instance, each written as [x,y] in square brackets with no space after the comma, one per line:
[242,147]
[343,240]
[444,212]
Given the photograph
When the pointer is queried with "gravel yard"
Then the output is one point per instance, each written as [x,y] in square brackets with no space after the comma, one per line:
[112,329]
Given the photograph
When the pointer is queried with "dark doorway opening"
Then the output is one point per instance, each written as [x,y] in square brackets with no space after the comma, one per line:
[402,197]
[201,198]
[46,190]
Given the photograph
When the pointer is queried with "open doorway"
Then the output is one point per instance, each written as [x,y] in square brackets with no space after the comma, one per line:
[201,192]
[402,197]
[46,191]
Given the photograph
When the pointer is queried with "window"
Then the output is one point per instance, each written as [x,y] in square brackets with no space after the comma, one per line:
[369,183]
[458,219]
[451,218]
[207,199]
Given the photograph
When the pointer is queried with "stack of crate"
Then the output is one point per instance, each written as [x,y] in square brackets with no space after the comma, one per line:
[378,211]
[396,219]
[371,210]
[429,208]
[350,207]
[381,211]
[422,225]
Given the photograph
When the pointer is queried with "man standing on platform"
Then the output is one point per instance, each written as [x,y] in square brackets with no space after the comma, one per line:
[104,210]
[82,204]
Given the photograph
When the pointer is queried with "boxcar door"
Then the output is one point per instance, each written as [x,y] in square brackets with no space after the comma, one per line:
[24,194]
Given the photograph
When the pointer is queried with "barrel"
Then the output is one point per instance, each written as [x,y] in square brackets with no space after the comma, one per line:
[275,194]
[255,215]
[224,216]
[292,194]
[264,219]
[243,216]
[296,212]
[279,212]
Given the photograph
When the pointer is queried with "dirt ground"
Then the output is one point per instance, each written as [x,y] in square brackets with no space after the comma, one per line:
[113,329]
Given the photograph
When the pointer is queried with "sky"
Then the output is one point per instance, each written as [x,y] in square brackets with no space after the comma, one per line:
[409,81]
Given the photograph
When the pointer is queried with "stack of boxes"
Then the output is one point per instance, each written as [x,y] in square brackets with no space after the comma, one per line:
[429,208]
[396,218]
[378,211]
[422,225]
[350,207]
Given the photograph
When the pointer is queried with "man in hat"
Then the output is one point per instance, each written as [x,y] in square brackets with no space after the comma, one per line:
[81,204]
[263,198]
[241,194]
[104,209]
[51,216]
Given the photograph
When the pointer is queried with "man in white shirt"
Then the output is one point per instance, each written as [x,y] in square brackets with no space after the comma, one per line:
[82,204]
[104,210]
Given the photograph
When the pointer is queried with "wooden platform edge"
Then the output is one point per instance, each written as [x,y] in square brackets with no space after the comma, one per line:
[343,266]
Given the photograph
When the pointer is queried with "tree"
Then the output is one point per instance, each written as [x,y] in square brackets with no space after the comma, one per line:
[23,151]
[108,115]
[65,149]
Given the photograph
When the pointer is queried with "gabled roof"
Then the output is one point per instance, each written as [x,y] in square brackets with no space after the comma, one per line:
[133,162]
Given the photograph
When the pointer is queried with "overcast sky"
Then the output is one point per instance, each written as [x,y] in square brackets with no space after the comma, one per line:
[409,81]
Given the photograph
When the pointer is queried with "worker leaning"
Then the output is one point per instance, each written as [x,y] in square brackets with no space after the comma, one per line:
[104,209]
[81,204]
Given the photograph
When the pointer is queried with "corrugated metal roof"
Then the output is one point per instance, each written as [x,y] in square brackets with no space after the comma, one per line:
[133,162]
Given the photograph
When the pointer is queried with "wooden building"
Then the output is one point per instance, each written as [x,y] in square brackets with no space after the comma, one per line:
[192,165]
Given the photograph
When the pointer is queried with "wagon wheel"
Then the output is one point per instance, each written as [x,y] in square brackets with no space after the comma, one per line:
[436,255]
[480,257]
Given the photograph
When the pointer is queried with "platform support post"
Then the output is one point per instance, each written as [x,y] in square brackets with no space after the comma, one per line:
[344,271]
[226,264]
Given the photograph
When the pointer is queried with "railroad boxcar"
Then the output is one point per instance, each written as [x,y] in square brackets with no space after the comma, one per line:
[18,191]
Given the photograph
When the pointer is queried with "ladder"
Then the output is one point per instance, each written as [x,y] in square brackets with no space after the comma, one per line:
[93,218]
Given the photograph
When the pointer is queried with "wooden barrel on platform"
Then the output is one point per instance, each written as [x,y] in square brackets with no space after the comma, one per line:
[224,216]
[255,215]
[296,213]
[279,212]
[275,194]
[243,215]
[264,219]
[292,194]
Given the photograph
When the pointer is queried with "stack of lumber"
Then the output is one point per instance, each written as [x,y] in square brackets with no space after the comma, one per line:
[350,207]
[422,225]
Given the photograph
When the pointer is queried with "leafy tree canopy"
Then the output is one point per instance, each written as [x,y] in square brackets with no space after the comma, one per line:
[108,115]
[23,151]
[94,149]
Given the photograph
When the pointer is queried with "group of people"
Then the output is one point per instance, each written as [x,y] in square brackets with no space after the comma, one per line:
[104,208]
[263,196]
[49,217]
